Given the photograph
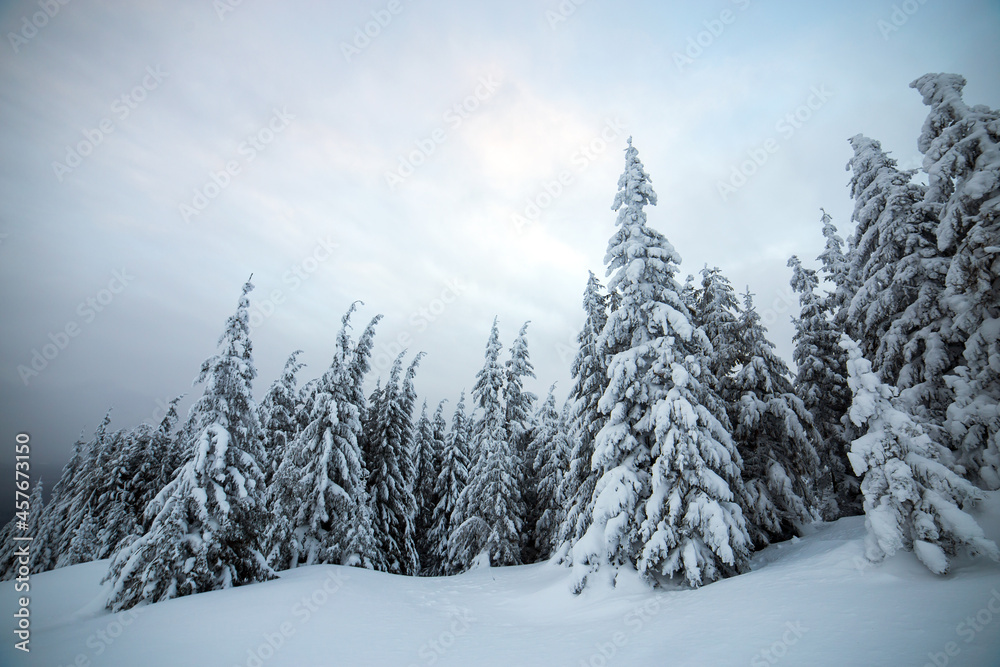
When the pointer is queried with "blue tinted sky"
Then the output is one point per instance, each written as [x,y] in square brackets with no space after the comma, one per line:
[440,253]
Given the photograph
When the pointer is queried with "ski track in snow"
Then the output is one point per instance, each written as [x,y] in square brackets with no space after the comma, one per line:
[811,601]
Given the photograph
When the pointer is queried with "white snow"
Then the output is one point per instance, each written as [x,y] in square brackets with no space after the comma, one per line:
[815,601]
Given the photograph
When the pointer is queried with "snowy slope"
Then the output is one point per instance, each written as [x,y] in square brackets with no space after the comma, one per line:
[813,601]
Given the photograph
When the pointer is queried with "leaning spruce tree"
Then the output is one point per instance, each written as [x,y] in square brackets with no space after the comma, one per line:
[914,500]
[207,521]
[318,500]
[666,501]
[961,147]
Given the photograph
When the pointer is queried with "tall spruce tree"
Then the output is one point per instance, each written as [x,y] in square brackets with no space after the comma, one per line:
[899,318]
[774,433]
[488,516]
[821,383]
[277,414]
[425,463]
[389,456]
[451,481]
[209,518]
[961,147]
[666,501]
[518,403]
[319,497]
[590,380]
[548,453]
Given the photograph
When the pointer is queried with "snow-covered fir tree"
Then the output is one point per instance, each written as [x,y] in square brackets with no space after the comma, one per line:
[208,520]
[821,383]
[897,312]
[32,519]
[716,310]
[387,447]
[590,379]
[488,516]
[774,433]
[426,459]
[961,147]
[277,414]
[451,481]
[548,452]
[666,501]
[913,499]
[85,545]
[836,270]
[518,403]
[319,498]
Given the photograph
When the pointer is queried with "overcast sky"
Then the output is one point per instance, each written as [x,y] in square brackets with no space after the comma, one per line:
[154,154]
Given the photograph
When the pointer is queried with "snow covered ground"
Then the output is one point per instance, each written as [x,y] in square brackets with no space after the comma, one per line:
[812,601]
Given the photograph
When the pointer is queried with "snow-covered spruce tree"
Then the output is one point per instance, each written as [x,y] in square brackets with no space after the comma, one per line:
[774,433]
[425,472]
[448,489]
[666,501]
[961,147]
[716,310]
[32,526]
[590,379]
[429,442]
[277,414]
[84,546]
[319,500]
[94,489]
[47,546]
[548,453]
[899,319]
[488,516]
[913,499]
[518,403]
[208,519]
[153,464]
[836,270]
[387,447]
[821,383]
